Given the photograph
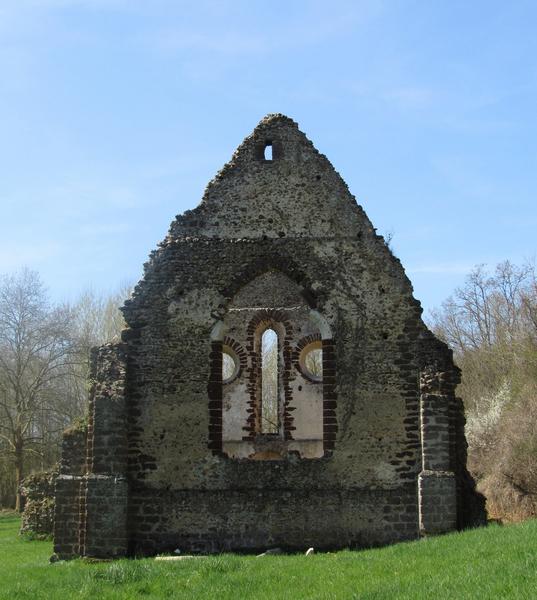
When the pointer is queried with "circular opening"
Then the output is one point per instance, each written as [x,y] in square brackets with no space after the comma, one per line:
[311,361]
[230,365]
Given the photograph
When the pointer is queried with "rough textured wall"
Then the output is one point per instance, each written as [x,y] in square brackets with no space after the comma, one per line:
[38,514]
[294,217]
[69,493]
[92,488]
[103,531]
[279,243]
[444,446]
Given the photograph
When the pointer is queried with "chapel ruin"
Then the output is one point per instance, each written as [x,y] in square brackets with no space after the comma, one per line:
[275,384]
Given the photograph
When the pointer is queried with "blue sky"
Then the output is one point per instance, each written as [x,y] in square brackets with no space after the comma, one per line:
[115,114]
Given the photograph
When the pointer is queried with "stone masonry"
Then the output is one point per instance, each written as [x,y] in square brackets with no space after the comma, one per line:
[38,493]
[178,453]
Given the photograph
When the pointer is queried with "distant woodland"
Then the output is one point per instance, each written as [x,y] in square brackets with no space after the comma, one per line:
[490,323]
[44,371]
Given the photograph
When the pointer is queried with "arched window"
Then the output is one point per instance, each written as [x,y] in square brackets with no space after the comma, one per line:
[272,378]
[270,418]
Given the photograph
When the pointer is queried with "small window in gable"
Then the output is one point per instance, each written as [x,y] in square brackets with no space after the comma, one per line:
[267,152]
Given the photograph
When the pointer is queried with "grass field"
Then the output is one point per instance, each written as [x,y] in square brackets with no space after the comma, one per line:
[495,563]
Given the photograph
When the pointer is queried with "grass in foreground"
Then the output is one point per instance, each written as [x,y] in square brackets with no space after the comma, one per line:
[495,563]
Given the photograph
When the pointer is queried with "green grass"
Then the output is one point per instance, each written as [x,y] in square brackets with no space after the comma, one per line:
[495,563]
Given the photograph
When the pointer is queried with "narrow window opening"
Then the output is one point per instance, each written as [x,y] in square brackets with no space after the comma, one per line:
[267,153]
[269,382]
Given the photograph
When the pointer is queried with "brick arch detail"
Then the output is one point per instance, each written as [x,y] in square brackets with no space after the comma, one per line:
[279,321]
[241,353]
[302,343]
[330,425]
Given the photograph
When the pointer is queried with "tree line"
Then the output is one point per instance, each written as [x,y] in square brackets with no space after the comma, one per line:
[491,324]
[44,369]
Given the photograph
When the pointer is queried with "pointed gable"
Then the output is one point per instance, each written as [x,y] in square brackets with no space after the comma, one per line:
[276,185]
[344,430]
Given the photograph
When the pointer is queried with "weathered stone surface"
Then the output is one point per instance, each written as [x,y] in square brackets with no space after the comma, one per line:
[38,514]
[438,502]
[69,511]
[178,457]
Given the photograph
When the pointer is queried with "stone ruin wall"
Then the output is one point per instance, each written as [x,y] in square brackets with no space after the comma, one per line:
[38,494]
[163,467]
[69,493]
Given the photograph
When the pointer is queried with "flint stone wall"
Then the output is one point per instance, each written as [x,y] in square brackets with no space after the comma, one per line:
[38,515]
[69,493]
[389,406]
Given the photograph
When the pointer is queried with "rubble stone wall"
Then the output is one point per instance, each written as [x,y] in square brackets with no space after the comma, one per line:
[38,514]
[69,493]
[283,242]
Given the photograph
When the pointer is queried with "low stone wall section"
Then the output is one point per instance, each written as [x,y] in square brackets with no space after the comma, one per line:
[38,514]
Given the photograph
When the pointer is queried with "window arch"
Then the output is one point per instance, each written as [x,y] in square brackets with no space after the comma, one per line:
[270,335]
[270,397]
[272,386]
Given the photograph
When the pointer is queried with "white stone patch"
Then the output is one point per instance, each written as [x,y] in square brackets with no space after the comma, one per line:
[235,412]
[386,473]
[308,409]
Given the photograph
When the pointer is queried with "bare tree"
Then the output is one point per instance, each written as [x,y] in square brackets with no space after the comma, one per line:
[491,324]
[96,321]
[44,368]
[35,347]
[487,309]
[314,362]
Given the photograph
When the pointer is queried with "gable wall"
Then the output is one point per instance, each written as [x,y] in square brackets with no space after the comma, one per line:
[377,452]
[295,218]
